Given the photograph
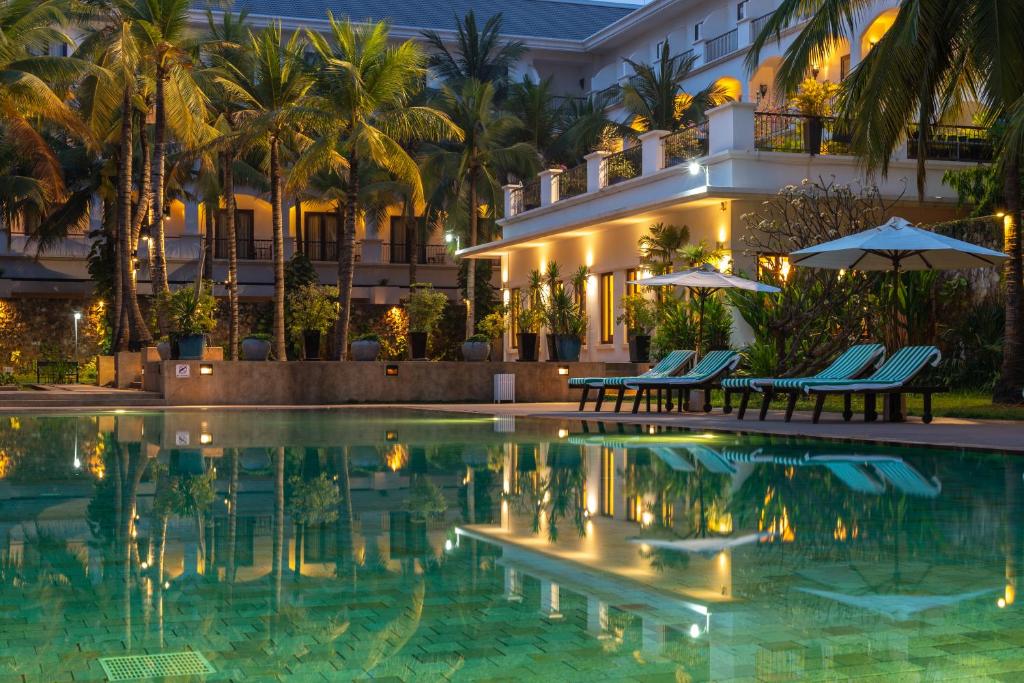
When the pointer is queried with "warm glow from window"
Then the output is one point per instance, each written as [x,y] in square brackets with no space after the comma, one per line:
[607,307]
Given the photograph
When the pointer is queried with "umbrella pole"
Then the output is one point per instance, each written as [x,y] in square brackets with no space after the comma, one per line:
[899,314]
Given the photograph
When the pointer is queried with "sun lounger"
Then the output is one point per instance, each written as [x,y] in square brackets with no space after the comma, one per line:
[703,376]
[892,379]
[669,366]
[853,362]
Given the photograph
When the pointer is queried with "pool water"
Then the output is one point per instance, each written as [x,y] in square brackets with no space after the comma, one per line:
[408,545]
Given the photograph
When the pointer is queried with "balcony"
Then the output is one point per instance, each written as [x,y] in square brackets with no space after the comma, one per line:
[722,45]
[799,133]
[952,143]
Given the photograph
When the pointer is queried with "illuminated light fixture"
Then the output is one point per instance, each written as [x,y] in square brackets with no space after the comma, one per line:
[206,368]
[652,430]
[391,436]
[144,565]
[647,518]
[391,371]
[167,584]
[1000,214]
[1001,603]
[448,545]
[563,433]
[695,167]
[695,631]
[762,90]
[205,438]
[814,71]
[563,369]
[145,232]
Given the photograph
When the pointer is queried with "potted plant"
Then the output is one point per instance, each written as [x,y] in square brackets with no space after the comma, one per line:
[550,281]
[313,309]
[256,346]
[529,318]
[491,328]
[163,347]
[366,347]
[424,307]
[567,317]
[476,348]
[639,317]
[190,311]
[813,99]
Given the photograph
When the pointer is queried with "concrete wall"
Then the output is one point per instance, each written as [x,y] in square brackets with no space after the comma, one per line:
[327,382]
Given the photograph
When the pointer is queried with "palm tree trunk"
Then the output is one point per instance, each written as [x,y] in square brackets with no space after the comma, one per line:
[347,261]
[124,212]
[208,235]
[280,347]
[160,283]
[232,516]
[230,230]
[138,329]
[343,529]
[471,266]
[277,558]
[413,233]
[1011,375]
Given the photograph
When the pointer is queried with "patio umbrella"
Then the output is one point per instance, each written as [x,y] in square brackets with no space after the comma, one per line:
[897,245]
[703,281]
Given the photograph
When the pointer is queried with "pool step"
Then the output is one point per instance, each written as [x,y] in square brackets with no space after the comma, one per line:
[88,397]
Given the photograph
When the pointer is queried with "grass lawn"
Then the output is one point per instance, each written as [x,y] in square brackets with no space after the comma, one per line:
[976,405]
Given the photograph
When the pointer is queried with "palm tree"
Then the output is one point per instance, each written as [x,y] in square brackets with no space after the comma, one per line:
[271,88]
[660,246]
[936,56]
[471,169]
[535,107]
[585,126]
[479,54]
[655,98]
[363,115]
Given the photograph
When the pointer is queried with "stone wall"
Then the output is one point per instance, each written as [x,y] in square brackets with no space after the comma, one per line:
[34,329]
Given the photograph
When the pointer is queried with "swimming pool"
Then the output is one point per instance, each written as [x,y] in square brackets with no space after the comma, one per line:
[359,543]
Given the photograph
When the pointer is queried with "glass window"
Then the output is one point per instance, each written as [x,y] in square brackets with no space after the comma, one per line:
[607,501]
[631,275]
[698,29]
[321,236]
[844,67]
[741,10]
[607,304]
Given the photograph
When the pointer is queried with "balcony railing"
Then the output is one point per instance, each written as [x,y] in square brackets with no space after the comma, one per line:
[687,144]
[624,165]
[428,253]
[572,182]
[248,250]
[952,143]
[799,133]
[758,24]
[720,46]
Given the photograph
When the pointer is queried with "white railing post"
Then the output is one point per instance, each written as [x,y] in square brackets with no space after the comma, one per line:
[731,127]
[549,185]
[510,206]
[652,150]
[597,174]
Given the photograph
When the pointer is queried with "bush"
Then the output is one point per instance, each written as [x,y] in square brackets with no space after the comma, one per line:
[678,324]
[313,308]
[481,338]
[368,336]
[638,313]
[425,307]
[493,325]
[189,311]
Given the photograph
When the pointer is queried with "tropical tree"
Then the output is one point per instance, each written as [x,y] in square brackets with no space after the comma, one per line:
[479,54]
[660,246]
[585,126]
[936,56]
[470,169]
[535,106]
[363,115]
[655,98]
[271,88]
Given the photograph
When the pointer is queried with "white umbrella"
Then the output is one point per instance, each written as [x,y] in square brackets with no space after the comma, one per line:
[897,245]
[704,281]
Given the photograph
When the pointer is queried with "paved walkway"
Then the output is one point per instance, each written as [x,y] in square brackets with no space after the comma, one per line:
[946,432]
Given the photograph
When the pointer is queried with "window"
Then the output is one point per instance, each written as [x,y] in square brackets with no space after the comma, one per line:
[606,298]
[321,236]
[698,31]
[513,326]
[607,501]
[844,67]
[631,275]
[741,10]
[243,235]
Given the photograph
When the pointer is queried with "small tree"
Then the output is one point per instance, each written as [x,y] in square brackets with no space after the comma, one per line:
[638,314]
[425,307]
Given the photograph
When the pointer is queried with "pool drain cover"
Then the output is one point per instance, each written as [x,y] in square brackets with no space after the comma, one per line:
[136,667]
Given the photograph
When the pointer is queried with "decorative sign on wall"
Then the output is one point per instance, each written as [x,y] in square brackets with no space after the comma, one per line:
[182,371]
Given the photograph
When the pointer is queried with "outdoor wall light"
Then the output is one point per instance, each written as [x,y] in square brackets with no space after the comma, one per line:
[391,436]
[391,371]
[695,167]
[563,433]
[815,70]
[206,368]
[205,439]
[563,369]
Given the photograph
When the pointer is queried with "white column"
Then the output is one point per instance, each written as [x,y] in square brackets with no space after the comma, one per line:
[652,150]
[597,616]
[744,36]
[510,206]
[513,585]
[371,251]
[597,174]
[549,602]
[653,635]
[549,185]
[731,127]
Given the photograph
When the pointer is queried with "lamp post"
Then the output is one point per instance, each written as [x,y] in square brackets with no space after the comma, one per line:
[77,315]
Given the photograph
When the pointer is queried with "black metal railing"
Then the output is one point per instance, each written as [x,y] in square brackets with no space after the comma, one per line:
[427,253]
[720,46]
[800,134]
[529,195]
[56,372]
[321,250]
[624,165]
[952,143]
[689,143]
[572,182]
[248,250]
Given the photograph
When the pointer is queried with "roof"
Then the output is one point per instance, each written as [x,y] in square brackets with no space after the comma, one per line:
[572,19]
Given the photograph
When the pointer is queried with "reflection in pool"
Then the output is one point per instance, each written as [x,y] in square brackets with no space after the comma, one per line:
[314,545]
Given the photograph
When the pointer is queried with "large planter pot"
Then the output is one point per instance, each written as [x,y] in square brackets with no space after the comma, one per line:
[529,346]
[568,348]
[552,347]
[254,348]
[812,134]
[164,349]
[190,346]
[475,351]
[640,348]
[311,344]
[418,345]
[365,350]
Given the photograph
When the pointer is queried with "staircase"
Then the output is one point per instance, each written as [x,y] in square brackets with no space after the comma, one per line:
[43,396]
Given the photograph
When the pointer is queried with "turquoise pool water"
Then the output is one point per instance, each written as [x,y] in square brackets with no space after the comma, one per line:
[383,544]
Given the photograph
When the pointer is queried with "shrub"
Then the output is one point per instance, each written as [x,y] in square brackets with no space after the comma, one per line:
[638,313]
[493,325]
[425,307]
[189,310]
[314,308]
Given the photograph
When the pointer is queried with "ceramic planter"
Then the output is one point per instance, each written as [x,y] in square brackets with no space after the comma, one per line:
[191,346]
[639,348]
[529,346]
[812,134]
[164,349]
[311,344]
[254,348]
[418,345]
[568,348]
[475,351]
[365,350]
[552,347]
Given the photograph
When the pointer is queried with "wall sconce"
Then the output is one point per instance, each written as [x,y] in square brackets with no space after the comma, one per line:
[391,371]
[205,438]
[563,433]
[206,368]
[762,90]
[814,71]
[563,369]
[391,436]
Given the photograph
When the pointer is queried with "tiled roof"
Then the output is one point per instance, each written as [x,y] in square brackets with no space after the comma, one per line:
[530,18]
